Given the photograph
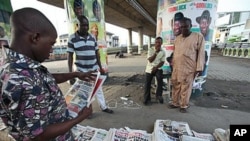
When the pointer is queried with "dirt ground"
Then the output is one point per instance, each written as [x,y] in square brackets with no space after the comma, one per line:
[233,95]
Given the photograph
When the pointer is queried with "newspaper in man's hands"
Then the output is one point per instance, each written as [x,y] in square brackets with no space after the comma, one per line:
[81,94]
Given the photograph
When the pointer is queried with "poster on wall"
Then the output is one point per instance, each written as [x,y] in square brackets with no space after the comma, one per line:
[5,12]
[202,14]
[94,11]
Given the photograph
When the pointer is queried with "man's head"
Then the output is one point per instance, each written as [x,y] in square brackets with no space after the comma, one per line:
[158,43]
[97,10]
[78,7]
[83,25]
[176,23]
[32,33]
[204,21]
[186,25]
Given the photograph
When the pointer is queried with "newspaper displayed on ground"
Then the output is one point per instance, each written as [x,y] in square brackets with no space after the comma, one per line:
[82,93]
[82,133]
[190,138]
[206,136]
[172,128]
[127,135]
[221,134]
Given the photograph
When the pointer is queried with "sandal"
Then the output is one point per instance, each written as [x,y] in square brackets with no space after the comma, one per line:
[107,110]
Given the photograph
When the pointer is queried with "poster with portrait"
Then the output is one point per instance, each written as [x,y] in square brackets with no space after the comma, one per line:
[201,12]
[5,12]
[94,11]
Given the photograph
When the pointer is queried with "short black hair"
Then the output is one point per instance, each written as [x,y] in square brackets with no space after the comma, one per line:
[82,17]
[157,38]
[185,19]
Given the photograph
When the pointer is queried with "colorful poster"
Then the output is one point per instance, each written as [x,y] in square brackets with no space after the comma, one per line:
[94,11]
[5,12]
[201,12]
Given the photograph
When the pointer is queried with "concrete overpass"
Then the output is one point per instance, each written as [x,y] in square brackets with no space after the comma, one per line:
[134,15]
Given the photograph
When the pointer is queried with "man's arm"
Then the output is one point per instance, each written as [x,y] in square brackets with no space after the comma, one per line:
[152,58]
[200,55]
[70,61]
[151,55]
[62,77]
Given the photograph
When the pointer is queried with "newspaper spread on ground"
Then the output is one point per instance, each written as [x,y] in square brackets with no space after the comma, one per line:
[139,135]
[82,93]
[127,135]
[119,135]
[206,136]
[82,133]
[100,135]
[77,130]
[172,128]
[190,138]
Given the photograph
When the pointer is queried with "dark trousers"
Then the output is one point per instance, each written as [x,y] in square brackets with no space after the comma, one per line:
[149,78]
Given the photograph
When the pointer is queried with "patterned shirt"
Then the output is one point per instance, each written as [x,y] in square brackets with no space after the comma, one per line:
[30,98]
[85,50]
[161,57]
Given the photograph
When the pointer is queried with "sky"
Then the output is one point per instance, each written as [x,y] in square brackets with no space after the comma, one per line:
[58,15]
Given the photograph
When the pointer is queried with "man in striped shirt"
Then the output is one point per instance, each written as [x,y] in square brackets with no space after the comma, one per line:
[85,47]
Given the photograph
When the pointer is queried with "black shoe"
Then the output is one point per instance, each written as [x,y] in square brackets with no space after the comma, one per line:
[160,99]
[147,103]
[107,110]
[183,110]
[171,106]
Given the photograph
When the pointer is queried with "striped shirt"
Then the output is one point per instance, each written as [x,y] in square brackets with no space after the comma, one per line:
[85,51]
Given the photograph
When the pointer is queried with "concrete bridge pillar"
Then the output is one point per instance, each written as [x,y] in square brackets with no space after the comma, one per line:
[140,45]
[129,46]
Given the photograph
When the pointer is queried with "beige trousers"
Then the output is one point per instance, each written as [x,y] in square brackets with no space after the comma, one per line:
[181,91]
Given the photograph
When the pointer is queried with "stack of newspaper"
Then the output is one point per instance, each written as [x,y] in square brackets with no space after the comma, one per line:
[82,94]
[168,130]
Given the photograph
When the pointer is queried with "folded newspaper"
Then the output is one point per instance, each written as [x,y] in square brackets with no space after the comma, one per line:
[81,94]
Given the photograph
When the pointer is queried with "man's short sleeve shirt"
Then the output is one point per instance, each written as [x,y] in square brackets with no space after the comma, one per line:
[30,99]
